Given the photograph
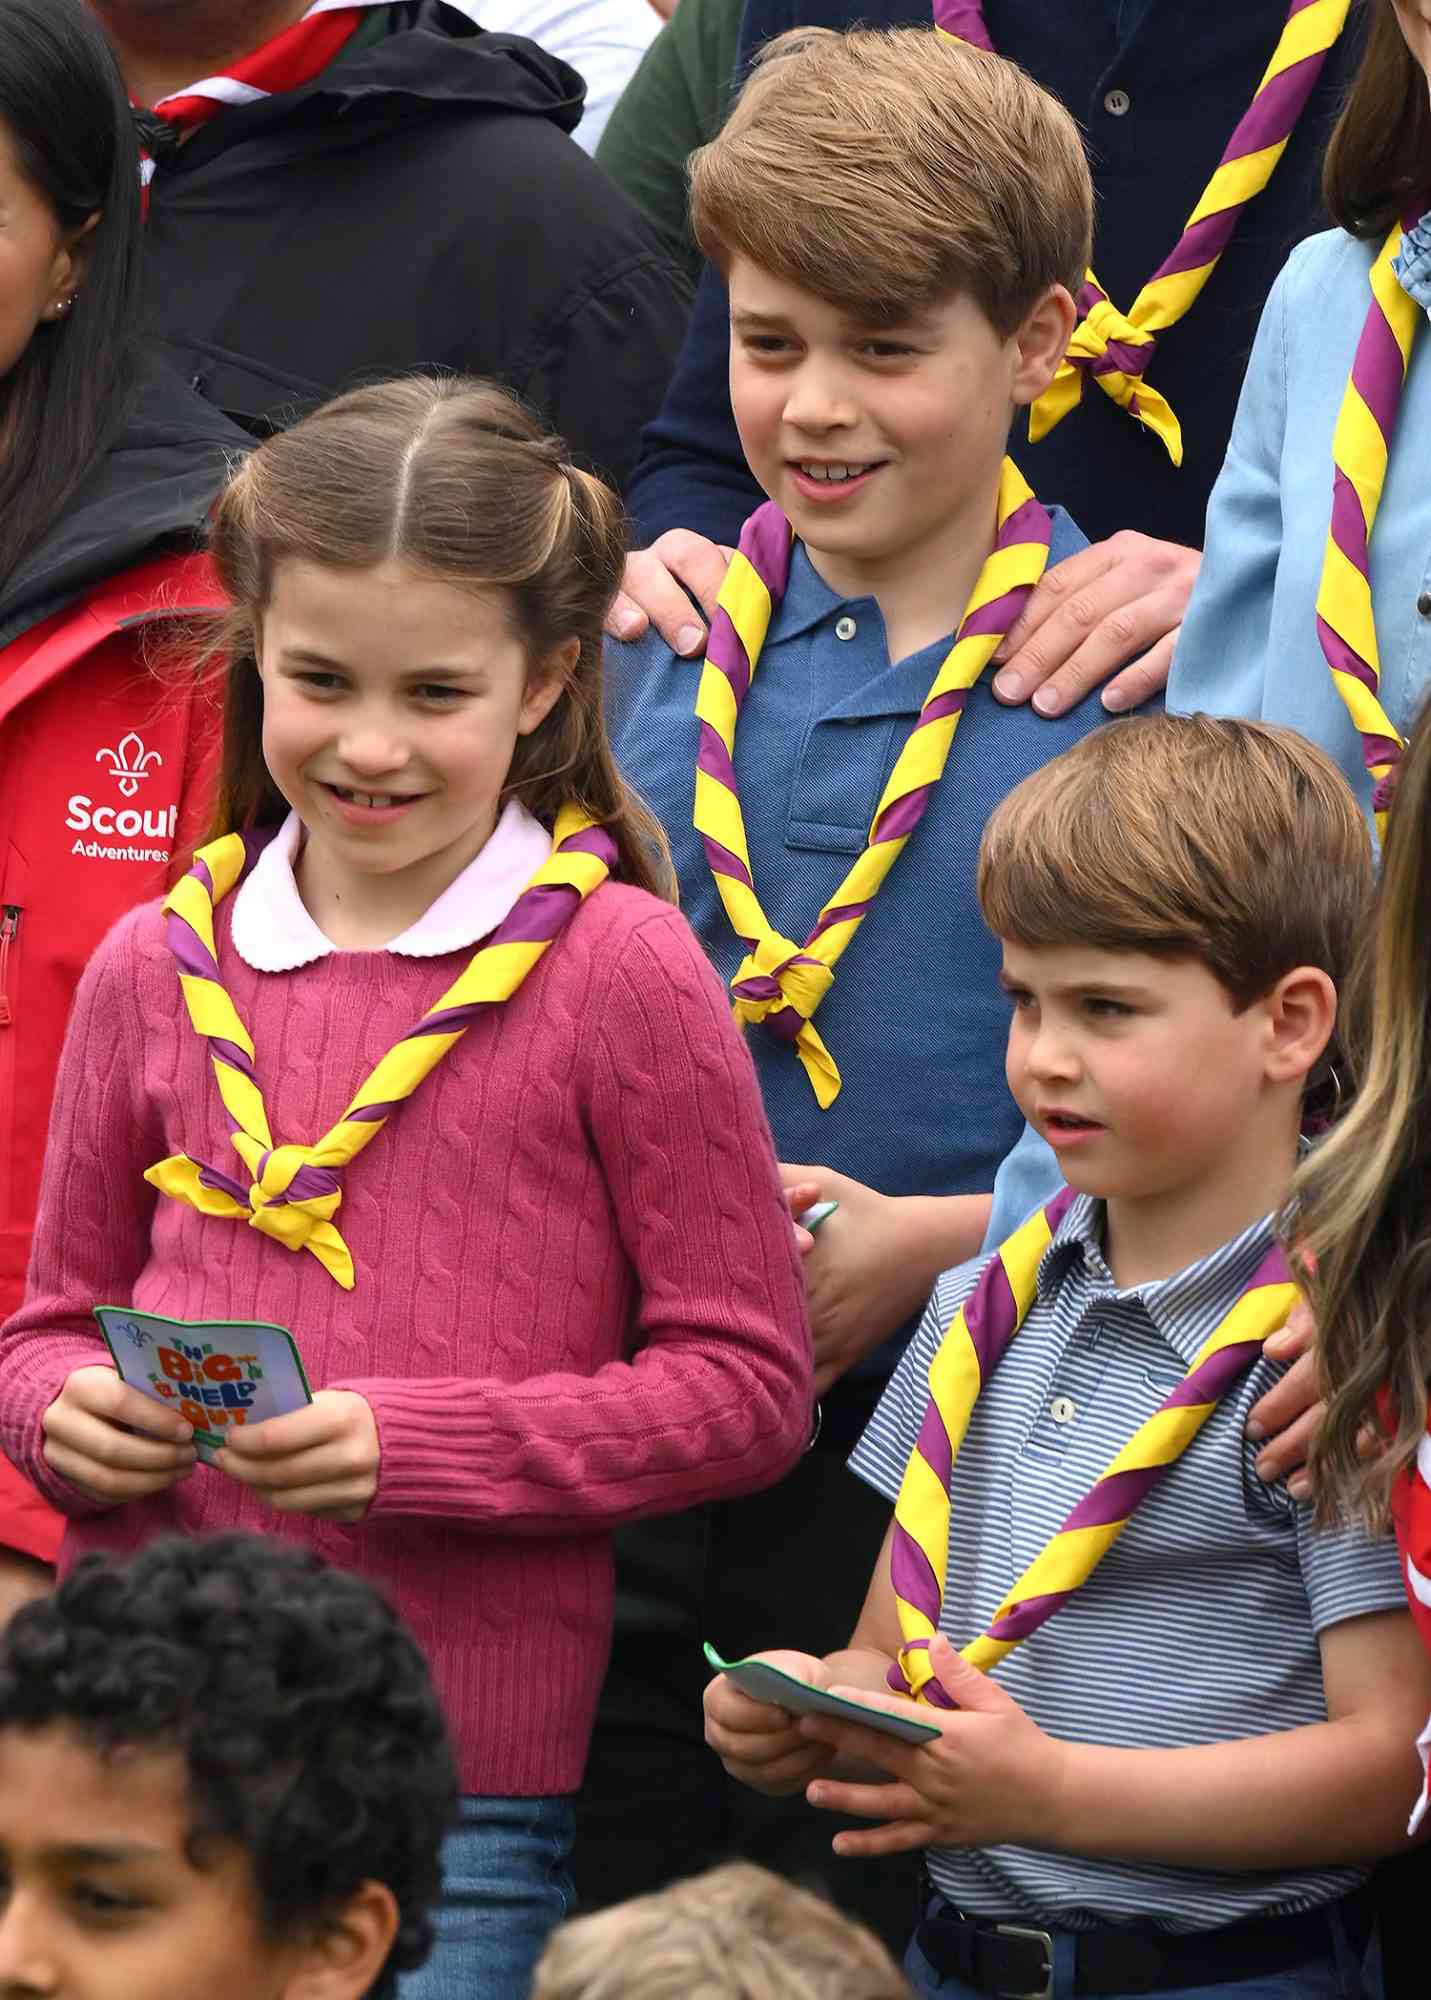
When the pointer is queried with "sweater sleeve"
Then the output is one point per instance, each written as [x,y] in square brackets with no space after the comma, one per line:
[716,1400]
[92,1226]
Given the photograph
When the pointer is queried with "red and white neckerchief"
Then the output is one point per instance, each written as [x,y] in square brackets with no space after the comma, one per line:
[290,60]
[1411,1515]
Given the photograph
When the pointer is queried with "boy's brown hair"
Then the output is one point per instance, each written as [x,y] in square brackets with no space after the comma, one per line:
[1236,843]
[736,1933]
[888,170]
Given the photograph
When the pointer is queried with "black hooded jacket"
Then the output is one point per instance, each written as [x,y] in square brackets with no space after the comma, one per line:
[418,205]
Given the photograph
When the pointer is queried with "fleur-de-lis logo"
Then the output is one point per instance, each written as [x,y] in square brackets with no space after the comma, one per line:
[130,763]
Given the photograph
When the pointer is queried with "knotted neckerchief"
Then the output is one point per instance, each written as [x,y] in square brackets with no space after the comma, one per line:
[287,62]
[1361,446]
[781,983]
[294,1191]
[1116,349]
[976,1341]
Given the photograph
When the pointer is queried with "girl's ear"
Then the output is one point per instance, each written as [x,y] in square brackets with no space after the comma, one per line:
[1041,343]
[1301,1014]
[546,683]
[72,258]
[344,1957]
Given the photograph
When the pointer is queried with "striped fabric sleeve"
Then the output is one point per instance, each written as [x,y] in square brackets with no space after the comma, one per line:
[883,1452]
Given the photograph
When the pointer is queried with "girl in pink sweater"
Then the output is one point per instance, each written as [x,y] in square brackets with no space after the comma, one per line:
[540,1270]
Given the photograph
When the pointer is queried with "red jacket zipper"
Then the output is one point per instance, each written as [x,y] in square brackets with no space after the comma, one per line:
[9,929]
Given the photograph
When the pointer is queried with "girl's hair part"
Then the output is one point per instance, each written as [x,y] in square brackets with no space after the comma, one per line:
[1378,160]
[457,481]
[65,115]
[1361,1224]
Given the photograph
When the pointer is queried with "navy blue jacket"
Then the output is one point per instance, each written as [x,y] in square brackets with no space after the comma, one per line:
[1188,71]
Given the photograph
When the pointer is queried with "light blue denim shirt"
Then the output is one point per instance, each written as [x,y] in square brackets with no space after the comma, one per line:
[1249,641]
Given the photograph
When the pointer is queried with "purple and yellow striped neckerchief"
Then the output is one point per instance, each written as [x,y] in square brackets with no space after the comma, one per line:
[976,1341]
[294,1191]
[781,983]
[1115,349]
[1361,447]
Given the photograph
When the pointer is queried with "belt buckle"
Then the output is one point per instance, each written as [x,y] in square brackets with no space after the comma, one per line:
[1044,1992]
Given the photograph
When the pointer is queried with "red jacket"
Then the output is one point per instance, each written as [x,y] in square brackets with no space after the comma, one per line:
[106,766]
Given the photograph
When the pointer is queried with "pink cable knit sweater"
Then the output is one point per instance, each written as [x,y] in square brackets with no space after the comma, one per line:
[578,1299]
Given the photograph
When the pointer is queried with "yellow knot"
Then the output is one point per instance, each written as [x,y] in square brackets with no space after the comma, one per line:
[777,975]
[1106,335]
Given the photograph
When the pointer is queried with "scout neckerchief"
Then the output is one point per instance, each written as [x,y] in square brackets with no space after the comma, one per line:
[779,982]
[1361,445]
[1115,350]
[294,1191]
[976,1342]
[290,60]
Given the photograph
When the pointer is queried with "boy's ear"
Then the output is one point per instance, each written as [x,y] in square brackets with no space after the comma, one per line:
[344,1956]
[1041,343]
[1301,1014]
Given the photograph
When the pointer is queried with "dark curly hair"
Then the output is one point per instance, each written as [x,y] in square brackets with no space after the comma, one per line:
[297,1698]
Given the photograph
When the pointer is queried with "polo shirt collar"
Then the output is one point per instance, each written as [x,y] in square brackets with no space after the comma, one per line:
[273,932]
[1412,263]
[810,604]
[1177,1305]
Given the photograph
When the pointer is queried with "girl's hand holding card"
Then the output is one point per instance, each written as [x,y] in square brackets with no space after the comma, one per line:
[322,1460]
[113,1443]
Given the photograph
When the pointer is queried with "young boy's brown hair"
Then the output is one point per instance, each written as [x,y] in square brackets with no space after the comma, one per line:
[1236,843]
[736,1933]
[887,170]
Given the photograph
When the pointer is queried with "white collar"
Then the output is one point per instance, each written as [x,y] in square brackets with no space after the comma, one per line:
[273,932]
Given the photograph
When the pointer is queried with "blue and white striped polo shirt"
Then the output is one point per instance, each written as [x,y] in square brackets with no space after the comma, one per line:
[1200,1625]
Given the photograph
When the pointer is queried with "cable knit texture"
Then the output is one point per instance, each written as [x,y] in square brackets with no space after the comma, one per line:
[578,1300]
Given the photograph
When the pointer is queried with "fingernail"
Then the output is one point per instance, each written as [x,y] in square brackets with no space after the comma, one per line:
[1256,1429]
[628,624]
[1047,702]
[816,1795]
[1008,687]
[688,639]
[1266,1468]
[1001,651]
[1114,698]
[1300,1486]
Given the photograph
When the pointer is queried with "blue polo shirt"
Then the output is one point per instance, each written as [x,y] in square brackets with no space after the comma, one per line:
[915,1020]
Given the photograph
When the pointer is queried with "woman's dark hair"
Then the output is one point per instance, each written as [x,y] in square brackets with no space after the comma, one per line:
[67,119]
[1378,161]
[298,1701]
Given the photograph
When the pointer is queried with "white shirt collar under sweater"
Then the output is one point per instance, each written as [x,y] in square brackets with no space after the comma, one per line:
[273,932]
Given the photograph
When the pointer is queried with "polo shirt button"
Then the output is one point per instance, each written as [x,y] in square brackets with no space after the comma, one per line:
[1117,103]
[846,628]
[1063,1409]
[1423,604]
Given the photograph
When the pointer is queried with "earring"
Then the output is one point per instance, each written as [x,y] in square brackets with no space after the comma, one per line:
[62,306]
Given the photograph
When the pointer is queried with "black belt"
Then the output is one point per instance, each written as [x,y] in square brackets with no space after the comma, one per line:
[1015,1961]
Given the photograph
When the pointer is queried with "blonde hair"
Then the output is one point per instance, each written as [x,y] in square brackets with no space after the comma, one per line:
[736,1933]
[1236,843]
[887,170]
[1364,1225]
[455,479]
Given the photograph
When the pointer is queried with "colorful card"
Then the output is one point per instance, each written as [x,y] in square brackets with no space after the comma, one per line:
[762,1682]
[213,1372]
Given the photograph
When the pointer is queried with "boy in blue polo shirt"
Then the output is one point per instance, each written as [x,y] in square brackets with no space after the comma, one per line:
[901,221]
[1196,1723]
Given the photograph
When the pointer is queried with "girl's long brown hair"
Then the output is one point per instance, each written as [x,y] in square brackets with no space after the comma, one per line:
[1364,1217]
[1378,161]
[457,481]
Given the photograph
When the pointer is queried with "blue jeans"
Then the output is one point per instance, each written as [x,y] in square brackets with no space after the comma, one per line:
[1337,1976]
[505,1888]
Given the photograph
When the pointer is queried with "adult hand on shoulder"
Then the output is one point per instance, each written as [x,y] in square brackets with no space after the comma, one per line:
[1090,615]
[1290,1415]
[322,1460]
[868,1270]
[759,1744]
[651,590]
[111,1442]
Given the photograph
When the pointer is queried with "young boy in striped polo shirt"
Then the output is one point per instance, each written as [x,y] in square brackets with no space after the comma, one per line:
[1176,1783]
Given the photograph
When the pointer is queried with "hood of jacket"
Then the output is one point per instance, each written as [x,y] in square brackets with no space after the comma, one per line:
[435,54]
[152,488]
